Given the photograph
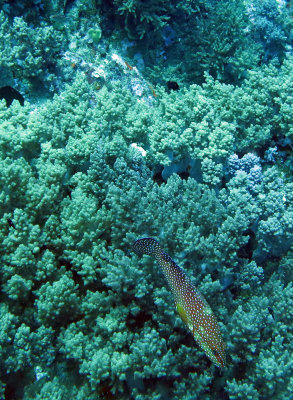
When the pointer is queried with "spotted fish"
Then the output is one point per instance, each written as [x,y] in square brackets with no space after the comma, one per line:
[190,304]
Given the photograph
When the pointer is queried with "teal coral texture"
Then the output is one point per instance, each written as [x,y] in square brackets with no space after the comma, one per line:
[100,155]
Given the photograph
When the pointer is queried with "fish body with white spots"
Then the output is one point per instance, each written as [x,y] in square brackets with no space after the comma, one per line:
[190,304]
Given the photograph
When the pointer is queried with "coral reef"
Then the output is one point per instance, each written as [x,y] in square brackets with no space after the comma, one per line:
[109,155]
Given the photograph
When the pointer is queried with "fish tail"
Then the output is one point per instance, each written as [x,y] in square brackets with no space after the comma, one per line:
[148,246]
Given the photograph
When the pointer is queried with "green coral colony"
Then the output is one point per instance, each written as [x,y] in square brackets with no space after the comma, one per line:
[135,119]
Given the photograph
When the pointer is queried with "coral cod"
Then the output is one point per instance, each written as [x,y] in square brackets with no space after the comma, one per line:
[190,304]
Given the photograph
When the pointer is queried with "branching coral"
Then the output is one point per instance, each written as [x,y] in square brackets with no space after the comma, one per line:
[86,173]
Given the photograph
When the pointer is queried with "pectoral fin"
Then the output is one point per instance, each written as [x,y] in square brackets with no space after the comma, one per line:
[182,313]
